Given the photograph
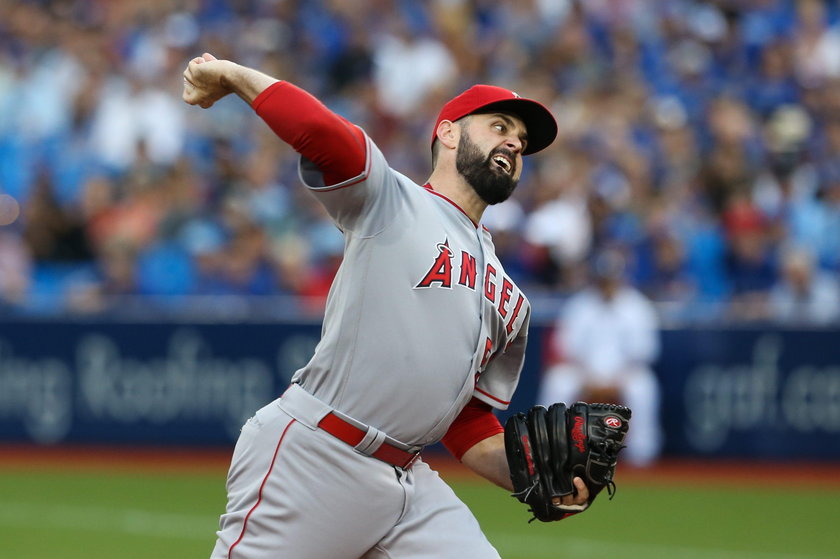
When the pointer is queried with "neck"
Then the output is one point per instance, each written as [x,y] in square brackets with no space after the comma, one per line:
[452,185]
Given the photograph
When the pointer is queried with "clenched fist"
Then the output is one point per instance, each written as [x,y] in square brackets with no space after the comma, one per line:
[204,82]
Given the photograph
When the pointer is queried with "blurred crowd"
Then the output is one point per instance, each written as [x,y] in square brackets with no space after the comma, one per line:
[700,139]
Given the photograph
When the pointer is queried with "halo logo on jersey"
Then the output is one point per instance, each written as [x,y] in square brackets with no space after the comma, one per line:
[441,270]
[612,421]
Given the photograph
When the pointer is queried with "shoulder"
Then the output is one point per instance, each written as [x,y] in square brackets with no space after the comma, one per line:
[583,299]
[636,302]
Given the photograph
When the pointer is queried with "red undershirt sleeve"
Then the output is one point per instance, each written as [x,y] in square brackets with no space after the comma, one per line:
[475,423]
[333,144]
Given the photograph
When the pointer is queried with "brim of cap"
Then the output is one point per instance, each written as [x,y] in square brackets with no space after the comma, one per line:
[539,122]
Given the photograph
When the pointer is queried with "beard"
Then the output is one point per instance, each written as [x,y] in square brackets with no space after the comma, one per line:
[490,183]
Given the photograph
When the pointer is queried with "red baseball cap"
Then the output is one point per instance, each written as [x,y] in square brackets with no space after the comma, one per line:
[541,126]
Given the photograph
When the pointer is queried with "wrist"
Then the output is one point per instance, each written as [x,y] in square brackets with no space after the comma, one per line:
[243,81]
[228,76]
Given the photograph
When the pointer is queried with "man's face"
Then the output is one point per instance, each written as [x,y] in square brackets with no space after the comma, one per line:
[490,155]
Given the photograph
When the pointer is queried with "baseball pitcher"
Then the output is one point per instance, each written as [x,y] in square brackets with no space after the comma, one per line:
[424,334]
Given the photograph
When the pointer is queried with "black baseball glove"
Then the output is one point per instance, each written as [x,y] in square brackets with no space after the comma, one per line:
[548,448]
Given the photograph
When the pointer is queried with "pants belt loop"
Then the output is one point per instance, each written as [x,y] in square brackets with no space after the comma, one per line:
[371,442]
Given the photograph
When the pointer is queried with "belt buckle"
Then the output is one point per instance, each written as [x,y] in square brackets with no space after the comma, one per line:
[412,460]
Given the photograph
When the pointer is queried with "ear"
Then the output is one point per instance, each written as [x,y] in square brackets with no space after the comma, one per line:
[448,134]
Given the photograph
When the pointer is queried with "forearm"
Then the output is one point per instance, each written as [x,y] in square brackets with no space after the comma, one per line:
[208,79]
[487,458]
[245,82]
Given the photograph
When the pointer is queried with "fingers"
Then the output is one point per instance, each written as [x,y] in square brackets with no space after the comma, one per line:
[579,497]
[582,491]
[206,57]
[188,76]
[198,94]
[189,89]
[190,96]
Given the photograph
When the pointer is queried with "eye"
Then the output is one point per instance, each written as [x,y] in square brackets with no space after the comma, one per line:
[501,127]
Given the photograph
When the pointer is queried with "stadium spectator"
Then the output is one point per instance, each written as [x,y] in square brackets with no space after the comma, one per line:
[671,120]
[750,258]
[15,274]
[110,284]
[804,295]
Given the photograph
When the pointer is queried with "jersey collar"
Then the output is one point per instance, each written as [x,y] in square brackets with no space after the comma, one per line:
[430,189]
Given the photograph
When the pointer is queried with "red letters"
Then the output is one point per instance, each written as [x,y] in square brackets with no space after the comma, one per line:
[489,285]
[467,270]
[488,347]
[516,310]
[440,274]
[507,287]
[441,270]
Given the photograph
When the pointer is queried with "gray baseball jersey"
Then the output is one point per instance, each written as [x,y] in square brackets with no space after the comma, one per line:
[420,310]
[420,318]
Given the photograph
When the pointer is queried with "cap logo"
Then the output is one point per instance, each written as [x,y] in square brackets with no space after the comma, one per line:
[515,94]
[612,421]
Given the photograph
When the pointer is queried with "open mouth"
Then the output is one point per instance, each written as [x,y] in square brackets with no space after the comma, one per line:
[503,163]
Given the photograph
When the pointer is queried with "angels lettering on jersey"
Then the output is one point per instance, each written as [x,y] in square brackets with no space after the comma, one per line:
[453,268]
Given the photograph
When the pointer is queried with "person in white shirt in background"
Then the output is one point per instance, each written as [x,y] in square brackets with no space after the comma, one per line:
[805,295]
[607,338]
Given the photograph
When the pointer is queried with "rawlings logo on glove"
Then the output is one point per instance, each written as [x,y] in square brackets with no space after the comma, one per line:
[547,448]
[578,436]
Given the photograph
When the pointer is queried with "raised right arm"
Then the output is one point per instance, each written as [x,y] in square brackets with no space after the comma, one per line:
[333,144]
